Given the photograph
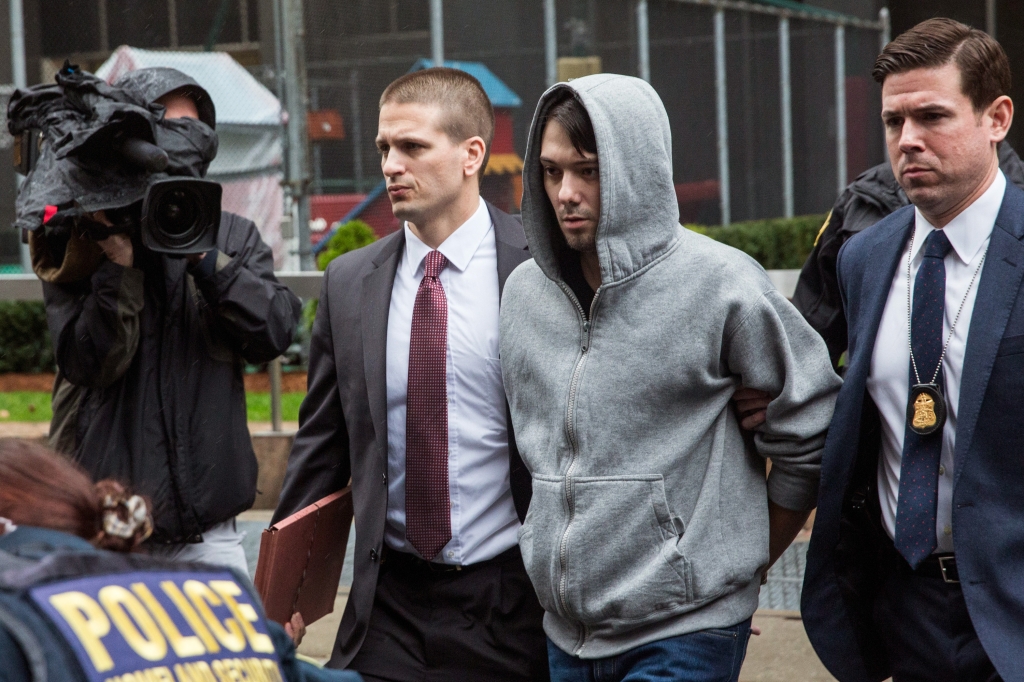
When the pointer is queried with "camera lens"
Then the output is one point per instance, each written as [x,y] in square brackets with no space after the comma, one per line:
[177,213]
[181,215]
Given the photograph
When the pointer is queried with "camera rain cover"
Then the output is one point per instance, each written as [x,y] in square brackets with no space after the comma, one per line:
[84,124]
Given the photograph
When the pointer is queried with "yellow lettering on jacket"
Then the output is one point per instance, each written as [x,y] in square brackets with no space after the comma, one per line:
[225,672]
[161,674]
[272,669]
[194,672]
[189,613]
[138,629]
[262,669]
[183,646]
[89,623]
[245,614]
[228,633]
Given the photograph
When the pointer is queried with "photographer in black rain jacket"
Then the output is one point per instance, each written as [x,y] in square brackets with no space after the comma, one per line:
[151,348]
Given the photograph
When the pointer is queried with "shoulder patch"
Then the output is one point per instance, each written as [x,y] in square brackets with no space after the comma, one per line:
[165,626]
[824,227]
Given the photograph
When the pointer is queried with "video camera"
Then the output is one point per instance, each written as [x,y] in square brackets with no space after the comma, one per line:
[94,165]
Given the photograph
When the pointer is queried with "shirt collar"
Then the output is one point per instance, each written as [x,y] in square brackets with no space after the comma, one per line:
[968,231]
[458,248]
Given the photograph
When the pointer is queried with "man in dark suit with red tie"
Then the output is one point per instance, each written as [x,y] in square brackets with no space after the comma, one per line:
[406,400]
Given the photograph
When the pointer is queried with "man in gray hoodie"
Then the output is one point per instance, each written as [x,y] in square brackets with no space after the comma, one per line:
[622,342]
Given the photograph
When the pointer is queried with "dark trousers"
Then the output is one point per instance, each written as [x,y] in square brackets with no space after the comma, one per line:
[479,623]
[924,624]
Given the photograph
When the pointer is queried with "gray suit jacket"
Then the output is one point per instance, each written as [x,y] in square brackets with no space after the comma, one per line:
[343,419]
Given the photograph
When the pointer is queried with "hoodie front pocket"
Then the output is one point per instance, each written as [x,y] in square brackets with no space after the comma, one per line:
[538,538]
[623,561]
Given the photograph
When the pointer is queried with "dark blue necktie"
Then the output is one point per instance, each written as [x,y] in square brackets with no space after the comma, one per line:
[919,470]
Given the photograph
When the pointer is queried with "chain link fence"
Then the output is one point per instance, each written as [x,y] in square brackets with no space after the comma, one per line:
[771,102]
[10,257]
[354,49]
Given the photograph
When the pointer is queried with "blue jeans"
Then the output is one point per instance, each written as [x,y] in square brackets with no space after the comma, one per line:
[704,656]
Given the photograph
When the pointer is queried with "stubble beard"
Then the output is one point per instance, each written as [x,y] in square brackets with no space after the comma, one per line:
[584,243]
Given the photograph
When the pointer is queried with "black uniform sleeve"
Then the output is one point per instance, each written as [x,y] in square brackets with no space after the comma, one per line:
[817,291]
[255,311]
[95,325]
[319,463]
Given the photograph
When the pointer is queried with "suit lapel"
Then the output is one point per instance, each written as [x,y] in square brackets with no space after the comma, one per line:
[376,305]
[511,244]
[997,295]
[875,284]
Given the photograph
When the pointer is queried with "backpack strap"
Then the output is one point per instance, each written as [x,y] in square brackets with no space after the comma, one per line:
[28,643]
[16,629]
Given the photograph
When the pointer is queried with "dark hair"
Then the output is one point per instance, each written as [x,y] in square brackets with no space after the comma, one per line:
[40,488]
[984,67]
[568,111]
[466,108]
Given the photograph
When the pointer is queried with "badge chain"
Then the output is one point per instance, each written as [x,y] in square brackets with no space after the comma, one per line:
[952,327]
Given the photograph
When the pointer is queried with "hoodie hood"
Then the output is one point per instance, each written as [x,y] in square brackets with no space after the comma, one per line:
[639,213]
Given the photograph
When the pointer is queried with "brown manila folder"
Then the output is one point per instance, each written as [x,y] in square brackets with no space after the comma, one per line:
[301,558]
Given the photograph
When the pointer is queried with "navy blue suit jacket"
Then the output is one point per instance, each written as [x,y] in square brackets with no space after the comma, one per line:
[988,484]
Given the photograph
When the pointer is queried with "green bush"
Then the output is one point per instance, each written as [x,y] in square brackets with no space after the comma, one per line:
[24,338]
[355,234]
[777,244]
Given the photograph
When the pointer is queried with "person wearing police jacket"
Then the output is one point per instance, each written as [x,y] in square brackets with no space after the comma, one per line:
[871,197]
[150,348]
[76,605]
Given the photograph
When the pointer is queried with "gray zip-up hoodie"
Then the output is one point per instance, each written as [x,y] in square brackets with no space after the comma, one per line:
[649,516]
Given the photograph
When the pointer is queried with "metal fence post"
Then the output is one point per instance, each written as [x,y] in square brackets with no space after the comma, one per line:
[18,72]
[357,129]
[884,36]
[643,41]
[274,370]
[550,43]
[721,102]
[840,108]
[785,98]
[437,31]
[19,75]
[293,41]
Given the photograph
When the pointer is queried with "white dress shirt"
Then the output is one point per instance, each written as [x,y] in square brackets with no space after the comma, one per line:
[484,520]
[889,382]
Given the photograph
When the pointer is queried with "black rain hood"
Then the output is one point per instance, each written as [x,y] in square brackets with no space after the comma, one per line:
[84,121]
[190,144]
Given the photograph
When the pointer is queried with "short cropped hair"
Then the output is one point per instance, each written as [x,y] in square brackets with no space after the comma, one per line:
[568,111]
[984,67]
[465,108]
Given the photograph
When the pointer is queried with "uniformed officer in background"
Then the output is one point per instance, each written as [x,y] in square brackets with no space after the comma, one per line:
[871,197]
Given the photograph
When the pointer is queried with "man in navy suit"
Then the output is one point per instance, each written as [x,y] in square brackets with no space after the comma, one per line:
[916,562]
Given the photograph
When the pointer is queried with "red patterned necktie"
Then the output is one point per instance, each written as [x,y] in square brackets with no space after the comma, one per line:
[428,521]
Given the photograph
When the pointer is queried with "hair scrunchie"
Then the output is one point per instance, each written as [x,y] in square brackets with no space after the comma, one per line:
[126,525]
